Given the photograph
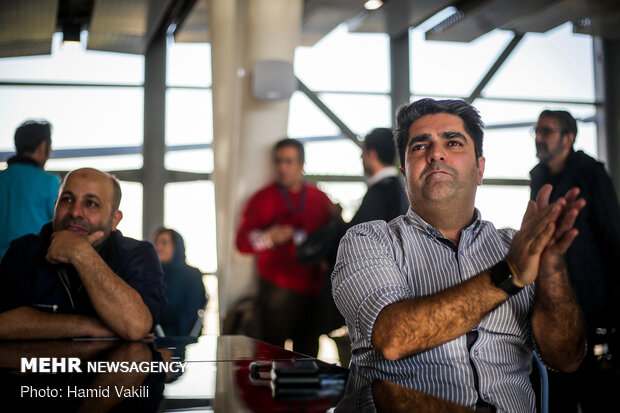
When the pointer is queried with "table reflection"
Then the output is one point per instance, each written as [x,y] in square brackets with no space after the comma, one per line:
[224,374]
[80,391]
[366,393]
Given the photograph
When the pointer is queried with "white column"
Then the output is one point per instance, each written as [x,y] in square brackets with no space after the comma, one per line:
[244,129]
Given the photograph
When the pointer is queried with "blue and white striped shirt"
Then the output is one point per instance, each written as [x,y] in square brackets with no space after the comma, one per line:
[382,263]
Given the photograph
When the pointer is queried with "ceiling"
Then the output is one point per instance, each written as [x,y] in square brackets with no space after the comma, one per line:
[127,26]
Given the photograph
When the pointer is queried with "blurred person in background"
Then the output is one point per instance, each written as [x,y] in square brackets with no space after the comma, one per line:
[386,198]
[590,260]
[275,220]
[28,193]
[185,290]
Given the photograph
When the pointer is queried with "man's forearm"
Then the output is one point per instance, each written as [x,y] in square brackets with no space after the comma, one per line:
[557,323]
[409,327]
[118,305]
[24,323]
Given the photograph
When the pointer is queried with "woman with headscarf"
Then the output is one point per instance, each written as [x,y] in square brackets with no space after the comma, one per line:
[185,291]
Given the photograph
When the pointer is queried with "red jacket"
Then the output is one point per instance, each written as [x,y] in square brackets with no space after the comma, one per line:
[278,264]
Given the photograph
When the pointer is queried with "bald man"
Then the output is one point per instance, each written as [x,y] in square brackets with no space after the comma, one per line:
[80,277]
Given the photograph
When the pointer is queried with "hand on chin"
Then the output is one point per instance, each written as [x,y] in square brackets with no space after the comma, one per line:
[67,244]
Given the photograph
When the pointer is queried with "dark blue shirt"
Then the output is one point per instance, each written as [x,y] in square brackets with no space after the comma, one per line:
[28,279]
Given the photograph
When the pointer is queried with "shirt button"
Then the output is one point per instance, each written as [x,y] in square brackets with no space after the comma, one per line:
[486,396]
[475,352]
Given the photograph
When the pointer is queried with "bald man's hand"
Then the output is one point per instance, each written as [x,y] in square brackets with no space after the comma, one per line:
[66,245]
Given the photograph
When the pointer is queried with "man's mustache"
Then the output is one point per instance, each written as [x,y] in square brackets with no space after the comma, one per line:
[77,222]
[435,166]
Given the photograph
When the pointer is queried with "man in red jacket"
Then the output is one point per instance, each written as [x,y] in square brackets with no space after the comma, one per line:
[276,219]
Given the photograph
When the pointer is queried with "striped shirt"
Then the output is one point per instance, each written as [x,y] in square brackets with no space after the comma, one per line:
[381,263]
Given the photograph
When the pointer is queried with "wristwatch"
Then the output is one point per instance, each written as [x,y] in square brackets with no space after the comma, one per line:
[501,277]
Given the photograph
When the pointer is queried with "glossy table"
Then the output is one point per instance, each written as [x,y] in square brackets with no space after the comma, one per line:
[222,374]
[216,377]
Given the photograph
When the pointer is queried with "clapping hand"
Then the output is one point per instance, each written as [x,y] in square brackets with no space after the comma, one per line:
[545,235]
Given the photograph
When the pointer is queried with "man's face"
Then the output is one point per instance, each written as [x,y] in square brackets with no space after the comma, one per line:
[289,169]
[440,163]
[550,142]
[84,204]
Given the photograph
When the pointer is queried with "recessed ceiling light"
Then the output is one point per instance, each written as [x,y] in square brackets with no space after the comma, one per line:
[373,4]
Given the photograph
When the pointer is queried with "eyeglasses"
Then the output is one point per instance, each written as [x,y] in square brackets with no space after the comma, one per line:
[544,132]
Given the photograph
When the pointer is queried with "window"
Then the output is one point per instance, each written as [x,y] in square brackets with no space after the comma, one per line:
[189,208]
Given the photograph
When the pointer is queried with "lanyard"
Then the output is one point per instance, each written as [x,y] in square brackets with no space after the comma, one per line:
[289,202]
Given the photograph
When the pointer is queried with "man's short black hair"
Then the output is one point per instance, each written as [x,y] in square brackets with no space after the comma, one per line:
[30,134]
[293,143]
[568,124]
[409,113]
[381,140]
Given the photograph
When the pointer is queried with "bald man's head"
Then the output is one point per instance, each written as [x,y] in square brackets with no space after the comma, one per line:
[88,201]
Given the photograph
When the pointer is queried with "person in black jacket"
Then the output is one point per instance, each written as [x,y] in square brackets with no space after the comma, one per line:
[386,198]
[80,277]
[185,291]
[590,260]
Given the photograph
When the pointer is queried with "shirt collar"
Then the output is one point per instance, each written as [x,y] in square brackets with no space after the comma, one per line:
[24,160]
[387,172]
[424,226]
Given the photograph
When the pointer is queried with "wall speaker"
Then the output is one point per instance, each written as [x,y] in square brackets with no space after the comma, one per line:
[273,80]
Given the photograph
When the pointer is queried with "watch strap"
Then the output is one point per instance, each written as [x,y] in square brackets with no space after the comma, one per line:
[501,276]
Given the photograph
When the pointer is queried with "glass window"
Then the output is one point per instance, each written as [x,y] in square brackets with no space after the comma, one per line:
[341,157]
[510,152]
[131,206]
[189,64]
[499,112]
[504,206]
[189,116]
[81,66]
[104,163]
[344,61]
[189,208]
[82,117]
[348,194]
[199,160]
[552,65]
[361,113]
[450,68]
[305,119]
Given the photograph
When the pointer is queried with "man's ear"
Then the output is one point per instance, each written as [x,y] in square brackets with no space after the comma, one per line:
[373,155]
[116,218]
[402,170]
[571,138]
[481,161]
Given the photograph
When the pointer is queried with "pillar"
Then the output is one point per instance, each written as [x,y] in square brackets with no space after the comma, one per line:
[244,129]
